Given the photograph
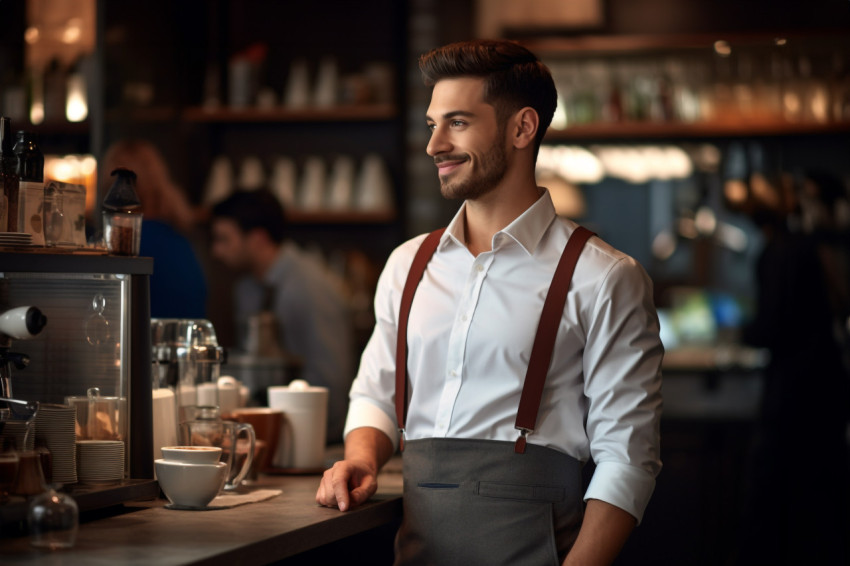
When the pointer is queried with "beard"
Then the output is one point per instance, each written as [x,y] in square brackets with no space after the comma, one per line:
[480,180]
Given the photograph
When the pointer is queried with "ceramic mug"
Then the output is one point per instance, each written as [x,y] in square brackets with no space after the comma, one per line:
[267,424]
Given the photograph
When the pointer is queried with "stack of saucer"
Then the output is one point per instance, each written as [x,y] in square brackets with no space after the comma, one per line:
[54,425]
[100,461]
[15,239]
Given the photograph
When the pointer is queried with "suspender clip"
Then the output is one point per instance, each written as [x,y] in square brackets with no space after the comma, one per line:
[519,447]
[401,440]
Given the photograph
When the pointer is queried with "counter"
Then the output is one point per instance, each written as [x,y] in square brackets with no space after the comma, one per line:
[145,532]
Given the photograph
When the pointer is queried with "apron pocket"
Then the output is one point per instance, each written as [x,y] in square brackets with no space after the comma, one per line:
[520,492]
[434,485]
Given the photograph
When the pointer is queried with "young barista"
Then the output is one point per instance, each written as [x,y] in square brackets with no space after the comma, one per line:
[474,491]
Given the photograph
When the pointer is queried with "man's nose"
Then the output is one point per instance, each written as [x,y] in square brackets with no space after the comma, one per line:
[439,142]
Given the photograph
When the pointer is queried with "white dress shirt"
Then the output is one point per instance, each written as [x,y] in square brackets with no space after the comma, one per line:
[471,328]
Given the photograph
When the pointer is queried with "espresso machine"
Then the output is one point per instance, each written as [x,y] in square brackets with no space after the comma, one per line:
[98,337]
[19,323]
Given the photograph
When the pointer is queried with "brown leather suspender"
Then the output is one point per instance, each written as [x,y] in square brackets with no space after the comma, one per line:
[544,341]
[417,269]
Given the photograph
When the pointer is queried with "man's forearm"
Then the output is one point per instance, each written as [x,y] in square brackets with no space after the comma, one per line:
[370,445]
[603,533]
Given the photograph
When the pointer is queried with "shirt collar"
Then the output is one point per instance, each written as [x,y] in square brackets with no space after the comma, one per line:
[527,229]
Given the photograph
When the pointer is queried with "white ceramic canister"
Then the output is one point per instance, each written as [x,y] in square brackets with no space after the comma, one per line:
[305,423]
[164,422]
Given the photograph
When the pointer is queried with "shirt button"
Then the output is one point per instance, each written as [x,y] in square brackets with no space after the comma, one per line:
[479,268]
[464,318]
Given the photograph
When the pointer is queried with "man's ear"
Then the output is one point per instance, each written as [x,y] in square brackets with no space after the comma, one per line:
[526,122]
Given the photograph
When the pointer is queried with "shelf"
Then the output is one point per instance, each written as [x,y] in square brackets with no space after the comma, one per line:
[346,113]
[340,217]
[641,44]
[55,127]
[50,260]
[657,130]
[142,114]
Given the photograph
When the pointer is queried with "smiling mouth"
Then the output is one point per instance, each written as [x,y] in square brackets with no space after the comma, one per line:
[448,164]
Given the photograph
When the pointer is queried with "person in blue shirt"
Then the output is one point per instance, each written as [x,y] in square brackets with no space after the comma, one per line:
[178,286]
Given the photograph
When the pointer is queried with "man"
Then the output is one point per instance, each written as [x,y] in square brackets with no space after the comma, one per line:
[311,310]
[474,492]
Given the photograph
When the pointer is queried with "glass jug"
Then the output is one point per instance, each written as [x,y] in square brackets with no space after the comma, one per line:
[237,442]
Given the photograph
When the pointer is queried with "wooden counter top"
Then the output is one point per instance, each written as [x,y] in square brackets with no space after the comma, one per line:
[147,533]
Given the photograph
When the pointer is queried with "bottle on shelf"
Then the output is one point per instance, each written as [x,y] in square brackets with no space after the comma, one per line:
[8,178]
[30,186]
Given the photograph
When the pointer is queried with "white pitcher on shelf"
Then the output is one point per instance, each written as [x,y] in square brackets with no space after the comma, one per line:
[252,176]
[284,181]
[297,94]
[220,181]
[312,187]
[341,186]
[373,190]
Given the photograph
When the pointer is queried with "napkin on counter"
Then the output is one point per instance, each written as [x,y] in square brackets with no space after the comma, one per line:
[226,500]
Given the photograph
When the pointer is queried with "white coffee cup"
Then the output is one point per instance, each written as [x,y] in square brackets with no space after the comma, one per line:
[192,454]
[302,436]
[190,485]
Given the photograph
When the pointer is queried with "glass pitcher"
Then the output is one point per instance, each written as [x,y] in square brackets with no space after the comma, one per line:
[237,442]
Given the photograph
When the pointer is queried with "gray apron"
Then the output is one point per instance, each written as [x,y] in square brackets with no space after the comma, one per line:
[469,501]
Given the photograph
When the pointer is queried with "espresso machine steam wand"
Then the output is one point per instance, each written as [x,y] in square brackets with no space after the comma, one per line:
[19,323]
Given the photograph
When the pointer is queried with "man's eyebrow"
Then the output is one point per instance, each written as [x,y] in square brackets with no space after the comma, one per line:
[453,114]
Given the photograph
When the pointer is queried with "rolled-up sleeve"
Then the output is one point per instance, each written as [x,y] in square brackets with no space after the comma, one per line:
[622,367]
[372,395]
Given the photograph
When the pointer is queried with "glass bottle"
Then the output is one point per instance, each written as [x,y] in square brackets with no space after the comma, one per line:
[122,215]
[8,178]
[30,187]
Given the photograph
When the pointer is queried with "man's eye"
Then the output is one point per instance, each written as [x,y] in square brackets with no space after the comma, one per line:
[431,127]
[458,123]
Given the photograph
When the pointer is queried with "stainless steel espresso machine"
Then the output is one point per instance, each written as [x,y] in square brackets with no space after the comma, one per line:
[98,338]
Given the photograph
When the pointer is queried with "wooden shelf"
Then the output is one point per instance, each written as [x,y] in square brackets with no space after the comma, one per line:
[344,113]
[142,114]
[55,127]
[642,44]
[340,217]
[657,130]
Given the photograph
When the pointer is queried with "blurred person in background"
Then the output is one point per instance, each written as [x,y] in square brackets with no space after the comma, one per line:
[310,306]
[798,473]
[178,286]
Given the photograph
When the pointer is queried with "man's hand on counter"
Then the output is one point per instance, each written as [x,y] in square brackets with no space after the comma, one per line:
[353,480]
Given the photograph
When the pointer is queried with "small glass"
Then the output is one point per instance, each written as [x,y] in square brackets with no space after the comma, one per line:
[122,232]
[53,519]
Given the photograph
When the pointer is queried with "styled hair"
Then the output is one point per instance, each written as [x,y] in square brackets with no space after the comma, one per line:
[513,76]
[161,198]
[251,210]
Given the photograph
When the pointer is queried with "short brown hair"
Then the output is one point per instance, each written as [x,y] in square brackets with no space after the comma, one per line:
[513,76]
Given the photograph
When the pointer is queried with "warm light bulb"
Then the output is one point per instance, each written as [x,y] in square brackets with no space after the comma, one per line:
[88,165]
[32,35]
[72,32]
[722,48]
[37,112]
[76,106]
